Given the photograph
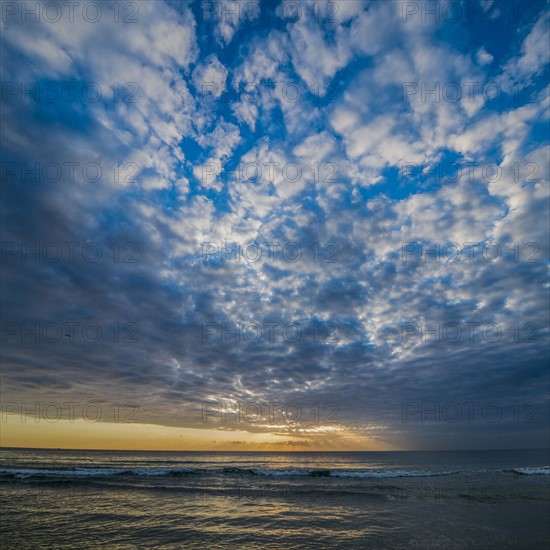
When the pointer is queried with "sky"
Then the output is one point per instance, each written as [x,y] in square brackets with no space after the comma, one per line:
[275,225]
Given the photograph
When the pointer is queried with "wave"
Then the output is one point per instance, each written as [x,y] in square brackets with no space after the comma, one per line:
[392,473]
[73,472]
[543,471]
[353,473]
[91,472]
[283,473]
[228,471]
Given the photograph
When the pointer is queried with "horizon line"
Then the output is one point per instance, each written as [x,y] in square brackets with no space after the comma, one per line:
[264,452]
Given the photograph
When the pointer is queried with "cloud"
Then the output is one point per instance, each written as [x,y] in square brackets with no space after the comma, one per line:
[231,16]
[533,57]
[325,174]
[210,77]
[483,57]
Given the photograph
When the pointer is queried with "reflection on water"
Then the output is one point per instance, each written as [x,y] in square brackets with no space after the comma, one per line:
[61,499]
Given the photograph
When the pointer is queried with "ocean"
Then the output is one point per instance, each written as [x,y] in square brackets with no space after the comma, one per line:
[367,500]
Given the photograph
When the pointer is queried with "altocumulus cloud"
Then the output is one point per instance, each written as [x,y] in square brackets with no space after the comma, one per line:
[346,121]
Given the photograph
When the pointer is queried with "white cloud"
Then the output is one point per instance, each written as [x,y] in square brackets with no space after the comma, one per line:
[534,55]
[210,77]
[234,14]
[483,57]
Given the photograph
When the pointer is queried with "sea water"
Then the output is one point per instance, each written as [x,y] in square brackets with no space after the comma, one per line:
[367,500]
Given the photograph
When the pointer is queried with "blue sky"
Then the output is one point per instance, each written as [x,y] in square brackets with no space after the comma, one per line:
[357,133]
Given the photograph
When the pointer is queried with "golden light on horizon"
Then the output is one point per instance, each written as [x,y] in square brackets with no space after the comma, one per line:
[80,434]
